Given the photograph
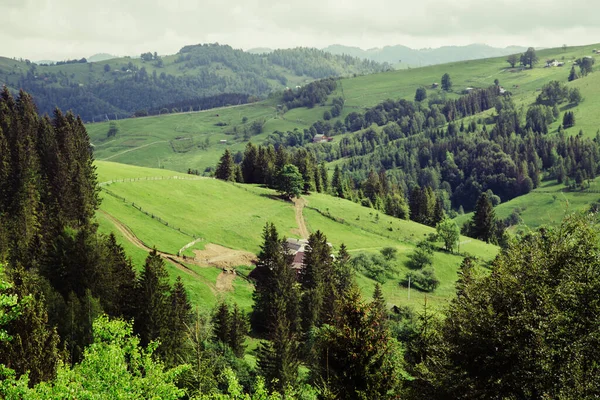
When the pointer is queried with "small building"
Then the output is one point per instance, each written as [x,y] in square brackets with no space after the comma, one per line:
[469,90]
[223,141]
[434,85]
[552,63]
[502,90]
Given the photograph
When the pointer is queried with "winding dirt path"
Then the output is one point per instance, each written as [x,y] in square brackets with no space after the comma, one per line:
[178,262]
[299,204]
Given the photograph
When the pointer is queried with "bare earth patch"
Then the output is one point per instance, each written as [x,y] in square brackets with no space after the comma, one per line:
[222,257]
[225,281]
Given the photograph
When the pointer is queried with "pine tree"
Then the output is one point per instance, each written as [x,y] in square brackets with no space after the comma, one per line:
[337,183]
[317,265]
[483,222]
[573,74]
[278,359]
[180,317]
[226,168]
[357,359]
[238,331]
[324,177]
[34,346]
[222,323]
[152,311]
[249,164]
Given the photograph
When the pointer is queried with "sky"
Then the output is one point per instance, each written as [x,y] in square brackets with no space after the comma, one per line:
[62,29]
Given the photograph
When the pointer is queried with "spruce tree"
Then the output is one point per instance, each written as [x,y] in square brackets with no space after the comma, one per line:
[324,177]
[152,311]
[337,183]
[180,318]
[484,220]
[249,164]
[34,346]
[573,74]
[222,323]
[226,168]
[238,331]
[317,266]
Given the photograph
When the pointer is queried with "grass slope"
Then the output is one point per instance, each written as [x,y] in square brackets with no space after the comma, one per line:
[234,215]
[192,140]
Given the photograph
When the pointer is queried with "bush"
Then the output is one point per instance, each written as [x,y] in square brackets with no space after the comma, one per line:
[423,279]
[422,257]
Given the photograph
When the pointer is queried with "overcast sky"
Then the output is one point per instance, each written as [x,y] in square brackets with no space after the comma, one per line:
[59,29]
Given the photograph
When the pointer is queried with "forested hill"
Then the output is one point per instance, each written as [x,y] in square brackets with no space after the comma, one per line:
[197,77]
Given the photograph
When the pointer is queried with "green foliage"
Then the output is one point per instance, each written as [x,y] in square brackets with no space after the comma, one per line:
[573,74]
[113,129]
[512,59]
[114,366]
[357,359]
[420,94]
[389,253]
[568,120]
[374,266]
[529,58]
[553,93]
[422,256]
[449,233]
[536,306]
[423,278]
[290,181]
[226,168]
[446,82]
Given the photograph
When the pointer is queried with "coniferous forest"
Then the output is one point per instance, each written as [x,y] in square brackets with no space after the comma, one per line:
[78,321]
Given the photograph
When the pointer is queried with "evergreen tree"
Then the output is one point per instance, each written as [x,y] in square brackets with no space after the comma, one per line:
[484,221]
[238,331]
[337,183]
[34,344]
[152,311]
[222,323]
[250,163]
[180,317]
[324,177]
[378,305]
[446,82]
[573,74]
[226,168]
[278,359]
[317,265]
[357,359]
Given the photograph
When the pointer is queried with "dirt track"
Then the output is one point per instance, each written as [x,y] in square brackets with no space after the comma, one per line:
[212,255]
[299,204]
[175,260]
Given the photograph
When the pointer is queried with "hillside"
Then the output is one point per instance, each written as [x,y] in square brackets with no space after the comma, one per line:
[228,220]
[197,77]
[405,56]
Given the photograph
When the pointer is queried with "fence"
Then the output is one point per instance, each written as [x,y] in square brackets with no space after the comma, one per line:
[153,178]
[156,217]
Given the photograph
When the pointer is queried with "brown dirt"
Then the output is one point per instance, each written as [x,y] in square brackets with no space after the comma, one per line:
[225,281]
[223,257]
[298,206]
[178,262]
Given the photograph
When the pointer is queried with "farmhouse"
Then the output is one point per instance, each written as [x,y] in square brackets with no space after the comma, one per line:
[435,85]
[297,247]
[223,141]
[321,139]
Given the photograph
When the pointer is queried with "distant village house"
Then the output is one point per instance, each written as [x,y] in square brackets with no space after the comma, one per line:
[321,139]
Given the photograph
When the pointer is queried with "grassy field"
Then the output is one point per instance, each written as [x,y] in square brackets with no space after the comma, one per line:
[546,205]
[193,140]
[234,215]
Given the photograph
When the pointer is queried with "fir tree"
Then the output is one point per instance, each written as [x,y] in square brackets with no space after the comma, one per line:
[238,331]
[317,265]
[222,323]
[226,168]
[180,317]
[573,74]
[324,177]
[337,183]
[483,221]
[152,316]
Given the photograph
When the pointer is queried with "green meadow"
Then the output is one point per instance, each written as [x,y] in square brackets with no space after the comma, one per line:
[233,216]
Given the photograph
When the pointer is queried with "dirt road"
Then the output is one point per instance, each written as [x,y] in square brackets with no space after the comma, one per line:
[299,204]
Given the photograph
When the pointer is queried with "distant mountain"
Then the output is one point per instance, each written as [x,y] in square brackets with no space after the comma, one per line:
[100,57]
[197,77]
[421,57]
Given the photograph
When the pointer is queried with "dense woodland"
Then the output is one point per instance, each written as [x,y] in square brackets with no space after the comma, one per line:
[432,155]
[200,79]
[76,320]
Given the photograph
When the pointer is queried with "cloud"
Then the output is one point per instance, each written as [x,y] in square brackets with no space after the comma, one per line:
[58,29]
